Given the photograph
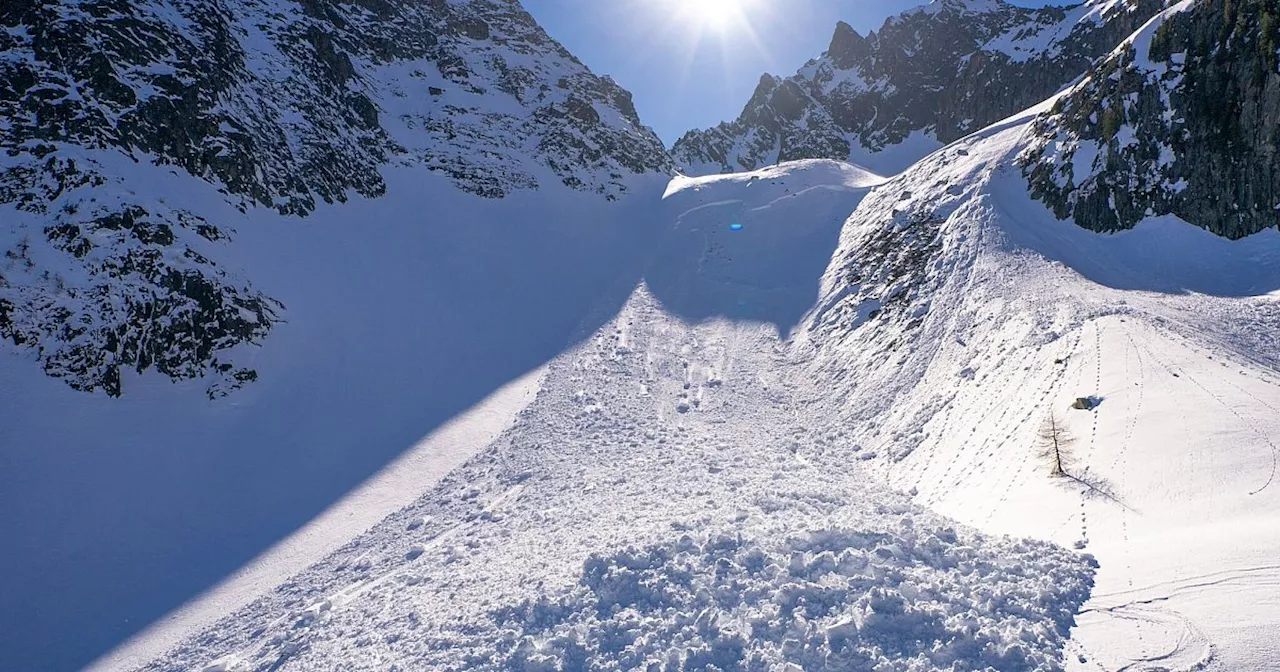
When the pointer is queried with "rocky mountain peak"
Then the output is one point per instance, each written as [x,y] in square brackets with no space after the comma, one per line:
[926,77]
[279,105]
[847,48]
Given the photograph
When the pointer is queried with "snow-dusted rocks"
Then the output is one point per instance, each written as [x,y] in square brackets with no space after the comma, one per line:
[96,282]
[929,76]
[1180,119]
[280,105]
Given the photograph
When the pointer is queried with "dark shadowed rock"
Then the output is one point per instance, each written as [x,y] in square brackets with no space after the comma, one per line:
[848,48]
[1184,120]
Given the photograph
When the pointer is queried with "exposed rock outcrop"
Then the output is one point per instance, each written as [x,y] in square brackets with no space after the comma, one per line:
[1184,119]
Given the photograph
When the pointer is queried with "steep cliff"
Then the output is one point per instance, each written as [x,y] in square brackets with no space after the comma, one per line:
[1182,119]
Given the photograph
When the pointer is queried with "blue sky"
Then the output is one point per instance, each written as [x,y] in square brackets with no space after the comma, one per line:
[689,71]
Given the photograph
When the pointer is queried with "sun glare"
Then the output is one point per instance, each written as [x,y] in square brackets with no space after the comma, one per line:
[715,14]
[700,28]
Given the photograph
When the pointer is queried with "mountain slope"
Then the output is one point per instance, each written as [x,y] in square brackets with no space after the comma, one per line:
[685,476]
[345,222]
[928,77]
[1181,119]
[764,400]
[281,105]
[987,315]
[666,502]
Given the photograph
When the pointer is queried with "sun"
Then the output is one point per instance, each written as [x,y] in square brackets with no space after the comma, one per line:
[718,15]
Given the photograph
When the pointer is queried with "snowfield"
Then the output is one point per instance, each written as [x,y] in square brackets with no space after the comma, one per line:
[770,435]
[541,406]
[664,501]
[801,441]
[1170,330]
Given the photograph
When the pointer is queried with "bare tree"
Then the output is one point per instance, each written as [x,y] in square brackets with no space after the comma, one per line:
[1055,445]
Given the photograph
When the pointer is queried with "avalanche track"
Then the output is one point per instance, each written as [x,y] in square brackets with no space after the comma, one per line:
[749,465]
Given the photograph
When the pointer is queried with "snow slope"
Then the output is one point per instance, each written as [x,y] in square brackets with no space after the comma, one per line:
[770,434]
[1173,329]
[692,486]
[391,489]
[665,501]
[402,312]
[767,434]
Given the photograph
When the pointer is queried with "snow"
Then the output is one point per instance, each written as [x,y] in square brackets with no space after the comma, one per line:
[816,173]
[532,432]
[769,270]
[1045,39]
[723,440]
[895,158]
[388,491]
[608,524]
[402,312]
[1173,329]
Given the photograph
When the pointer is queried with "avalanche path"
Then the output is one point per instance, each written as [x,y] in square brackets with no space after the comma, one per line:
[666,502]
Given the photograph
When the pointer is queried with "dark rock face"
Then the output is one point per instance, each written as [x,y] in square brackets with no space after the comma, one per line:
[286,105]
[944,70]
[1185,120]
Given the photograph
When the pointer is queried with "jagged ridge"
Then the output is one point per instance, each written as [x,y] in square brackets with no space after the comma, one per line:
[940,71]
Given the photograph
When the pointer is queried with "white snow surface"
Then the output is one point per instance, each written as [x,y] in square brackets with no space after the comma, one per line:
[388,491]
[404,311]
[784,445]
[666,502]
[1172,329]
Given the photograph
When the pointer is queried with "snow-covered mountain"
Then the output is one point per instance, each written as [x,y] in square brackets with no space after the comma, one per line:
[692,487]
[523,400]
[927,77]
[958,314]
[668,500]
[1181,119]
[283,106]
